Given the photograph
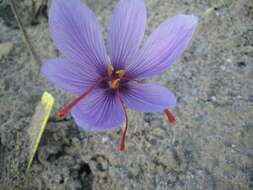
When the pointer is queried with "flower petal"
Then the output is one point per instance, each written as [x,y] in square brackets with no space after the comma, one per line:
[76,33]
[126,31]
[99,112]
[163,47]
[146,97]
[69,76]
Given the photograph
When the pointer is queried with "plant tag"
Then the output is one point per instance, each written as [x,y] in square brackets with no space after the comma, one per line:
[38,124]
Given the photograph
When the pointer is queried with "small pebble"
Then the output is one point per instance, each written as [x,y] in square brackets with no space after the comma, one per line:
[213,98]
[229,60]
[6,48]
[105,139]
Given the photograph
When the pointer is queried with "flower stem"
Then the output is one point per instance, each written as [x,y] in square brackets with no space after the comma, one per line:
[24,32]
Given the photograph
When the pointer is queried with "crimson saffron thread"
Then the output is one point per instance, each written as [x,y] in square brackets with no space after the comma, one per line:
[171,118]
[123,136]
[62,114]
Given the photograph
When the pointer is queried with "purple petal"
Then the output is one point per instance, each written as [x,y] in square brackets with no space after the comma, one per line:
[126,31]
[76,33]
[69,76]
[145,97]
[163,47]
[99,112]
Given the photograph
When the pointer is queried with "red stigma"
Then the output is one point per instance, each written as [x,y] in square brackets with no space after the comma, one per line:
[122,147]
[62,114]
[171,118]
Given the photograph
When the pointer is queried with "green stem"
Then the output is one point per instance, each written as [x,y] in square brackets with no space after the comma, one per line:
[25,35]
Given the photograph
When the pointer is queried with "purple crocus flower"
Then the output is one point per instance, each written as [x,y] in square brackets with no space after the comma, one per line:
[107,86]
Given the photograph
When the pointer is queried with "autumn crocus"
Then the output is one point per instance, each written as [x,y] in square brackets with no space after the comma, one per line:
[106,86]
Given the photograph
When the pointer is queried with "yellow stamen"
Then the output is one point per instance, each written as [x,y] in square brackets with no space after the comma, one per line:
[120,72]
[110,70]
[115,83]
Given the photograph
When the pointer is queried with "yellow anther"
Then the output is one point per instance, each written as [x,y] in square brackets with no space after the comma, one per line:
[110,70]
[120,72]
[115,83]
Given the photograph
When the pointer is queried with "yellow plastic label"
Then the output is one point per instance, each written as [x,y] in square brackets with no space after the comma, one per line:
[38,124]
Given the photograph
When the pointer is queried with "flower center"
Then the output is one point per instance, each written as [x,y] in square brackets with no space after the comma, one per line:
[115,76]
